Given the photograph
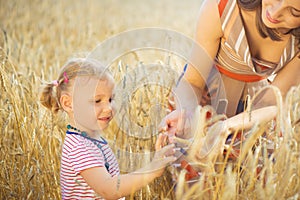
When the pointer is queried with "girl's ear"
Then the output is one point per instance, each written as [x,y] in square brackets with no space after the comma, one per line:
[66,103]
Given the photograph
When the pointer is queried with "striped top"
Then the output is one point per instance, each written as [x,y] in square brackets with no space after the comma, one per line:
[238,74]
[78,154]
[234,54]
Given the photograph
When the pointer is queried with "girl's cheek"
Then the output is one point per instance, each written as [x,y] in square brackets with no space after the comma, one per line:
[97,110]
[114,109]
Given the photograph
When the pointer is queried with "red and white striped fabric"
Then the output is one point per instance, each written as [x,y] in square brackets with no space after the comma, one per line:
[78,154]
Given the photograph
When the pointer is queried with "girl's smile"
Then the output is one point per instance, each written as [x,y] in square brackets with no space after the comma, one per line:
[105,119]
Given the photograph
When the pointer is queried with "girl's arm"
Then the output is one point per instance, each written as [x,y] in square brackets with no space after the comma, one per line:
[119,186]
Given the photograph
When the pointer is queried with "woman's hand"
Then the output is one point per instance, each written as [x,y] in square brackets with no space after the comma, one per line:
[177,123]
[206,149]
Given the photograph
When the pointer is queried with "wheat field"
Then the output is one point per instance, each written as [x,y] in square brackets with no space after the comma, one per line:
[36,39]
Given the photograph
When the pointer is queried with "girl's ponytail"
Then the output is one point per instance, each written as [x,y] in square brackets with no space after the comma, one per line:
[51,92]
[48,97]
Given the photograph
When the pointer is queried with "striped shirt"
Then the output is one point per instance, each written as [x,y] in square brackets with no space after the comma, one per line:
[234,54]
[78,154]
[238,74]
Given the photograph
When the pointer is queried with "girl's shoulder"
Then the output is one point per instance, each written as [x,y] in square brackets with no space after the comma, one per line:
[72,138]
[72,142]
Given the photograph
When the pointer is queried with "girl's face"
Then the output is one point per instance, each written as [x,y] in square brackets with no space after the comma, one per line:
[281,14]
[93,106]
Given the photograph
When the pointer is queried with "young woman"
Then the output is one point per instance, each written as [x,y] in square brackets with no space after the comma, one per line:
[250,40]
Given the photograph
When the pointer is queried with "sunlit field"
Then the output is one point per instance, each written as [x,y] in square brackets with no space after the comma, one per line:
[37,38]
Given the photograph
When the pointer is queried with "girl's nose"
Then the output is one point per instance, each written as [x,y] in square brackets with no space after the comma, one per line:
[108,107]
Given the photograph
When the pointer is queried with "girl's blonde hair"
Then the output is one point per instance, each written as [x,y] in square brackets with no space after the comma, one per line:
[75,67]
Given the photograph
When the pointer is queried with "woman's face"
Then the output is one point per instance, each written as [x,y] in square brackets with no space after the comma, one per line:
[281,14]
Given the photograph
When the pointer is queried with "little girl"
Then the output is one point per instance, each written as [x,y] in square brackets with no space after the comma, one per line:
[89,169]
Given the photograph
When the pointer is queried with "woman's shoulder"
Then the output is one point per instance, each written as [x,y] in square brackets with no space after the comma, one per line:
[218,7]
[209,12]
[209,4]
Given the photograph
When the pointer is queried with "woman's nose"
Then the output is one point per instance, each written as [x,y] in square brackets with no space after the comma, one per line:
[277,9]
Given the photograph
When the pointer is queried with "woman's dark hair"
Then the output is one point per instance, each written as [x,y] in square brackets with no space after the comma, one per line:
[262,28]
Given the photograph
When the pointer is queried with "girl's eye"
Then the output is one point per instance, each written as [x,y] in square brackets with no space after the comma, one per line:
[112,98]
[98,101]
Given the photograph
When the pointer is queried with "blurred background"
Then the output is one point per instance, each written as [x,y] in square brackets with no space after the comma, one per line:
[38,36]
[36,39]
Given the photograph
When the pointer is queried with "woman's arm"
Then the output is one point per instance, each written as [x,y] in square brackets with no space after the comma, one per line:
[288,77]
[247,120]
[187,94]
[208,34]
[207,148]
[119,186]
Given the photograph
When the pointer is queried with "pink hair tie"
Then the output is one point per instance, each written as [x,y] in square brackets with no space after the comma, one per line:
[55,83]
[66,79]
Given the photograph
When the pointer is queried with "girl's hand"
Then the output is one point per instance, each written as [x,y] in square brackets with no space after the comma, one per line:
[163,156]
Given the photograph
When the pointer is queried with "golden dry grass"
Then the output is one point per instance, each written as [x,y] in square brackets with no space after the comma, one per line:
[267,166]
[37,37]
